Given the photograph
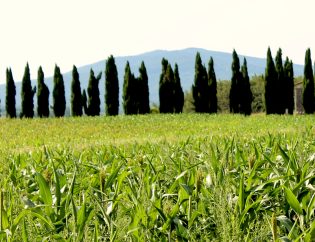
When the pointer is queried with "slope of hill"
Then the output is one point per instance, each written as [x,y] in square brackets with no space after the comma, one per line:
[184,58]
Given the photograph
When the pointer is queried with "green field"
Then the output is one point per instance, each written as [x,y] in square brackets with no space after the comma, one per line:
[185,177]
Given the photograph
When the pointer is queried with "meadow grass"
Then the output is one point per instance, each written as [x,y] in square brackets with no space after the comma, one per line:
[185,177]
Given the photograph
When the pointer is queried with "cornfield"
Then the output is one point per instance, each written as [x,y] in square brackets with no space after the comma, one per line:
[158,178]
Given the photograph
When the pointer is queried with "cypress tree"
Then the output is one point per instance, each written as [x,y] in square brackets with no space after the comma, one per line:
[246,95]
[167,91]
[163,101]
[93,91]
[27,94]
[10,95]
[200,87]
[279,85]
[111,87]
[289,86]
[42,95]
[235,91]
[76,96]
[178,92]
[130,102]
[270,80]
[212,83]
[144,103]
[164,63]
[59,105]
[308,84]
[84,102]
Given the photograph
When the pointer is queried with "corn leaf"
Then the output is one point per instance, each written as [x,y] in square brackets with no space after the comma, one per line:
[57,188]
[293,201]
[112,177]
[241,195]
[45,193]
[24,232]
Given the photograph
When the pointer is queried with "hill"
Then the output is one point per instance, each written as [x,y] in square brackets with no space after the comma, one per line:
[184,58]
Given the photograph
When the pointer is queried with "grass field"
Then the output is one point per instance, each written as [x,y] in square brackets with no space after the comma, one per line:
[158,178]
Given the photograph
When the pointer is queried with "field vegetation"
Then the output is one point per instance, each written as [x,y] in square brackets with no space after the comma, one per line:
[187,177]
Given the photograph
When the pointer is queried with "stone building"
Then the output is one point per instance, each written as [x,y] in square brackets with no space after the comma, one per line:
[298,97]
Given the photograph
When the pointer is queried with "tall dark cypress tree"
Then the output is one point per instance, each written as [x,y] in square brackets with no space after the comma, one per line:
[42,95]
[163,101]
[84,102]
[212,82]
[144,103]
[289,86]
[166,91]
[111,87]
[270,81]
[130,97]
[308,84]
[93,91]
[164,63]
[59,105]
[10,95]
[76,96]
[246,96]
[178,92]
[235,91]
[200,87]
[27,94]
[279,85]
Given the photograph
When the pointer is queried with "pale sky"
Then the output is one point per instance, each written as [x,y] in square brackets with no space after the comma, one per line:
[80,32]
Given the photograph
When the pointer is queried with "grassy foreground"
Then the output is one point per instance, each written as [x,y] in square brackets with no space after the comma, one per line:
[158,178]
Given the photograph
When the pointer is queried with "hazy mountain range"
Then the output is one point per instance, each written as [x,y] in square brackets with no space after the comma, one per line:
[184,58]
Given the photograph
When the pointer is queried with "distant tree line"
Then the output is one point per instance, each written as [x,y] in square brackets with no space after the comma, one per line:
[204,89]
[136,91]
[278,83]
[82,101]
[170,92]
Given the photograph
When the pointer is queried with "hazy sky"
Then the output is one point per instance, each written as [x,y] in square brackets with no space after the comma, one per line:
[81,32]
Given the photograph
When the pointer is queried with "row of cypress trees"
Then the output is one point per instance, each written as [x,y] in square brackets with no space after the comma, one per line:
[279,84]
[204,89]
[80,101]
[136,91]
[170,92]
[240,93]
[279,78]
